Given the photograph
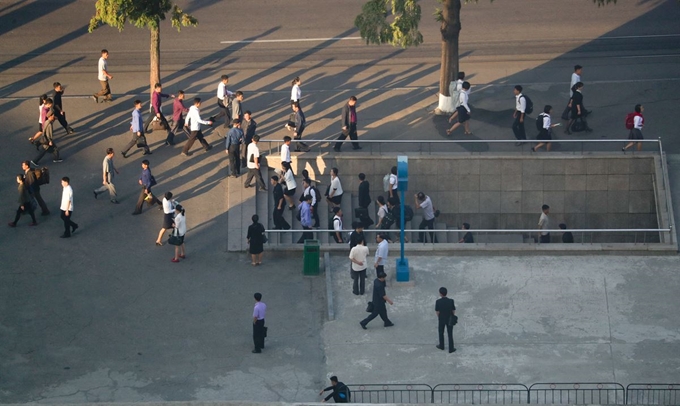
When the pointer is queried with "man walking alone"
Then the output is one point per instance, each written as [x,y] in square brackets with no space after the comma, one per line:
[104,76]
[108,173]
[259,330]
[446,310]
[379,300]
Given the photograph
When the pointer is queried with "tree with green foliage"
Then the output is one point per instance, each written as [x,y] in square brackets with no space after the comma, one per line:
[396,22]
[142,13]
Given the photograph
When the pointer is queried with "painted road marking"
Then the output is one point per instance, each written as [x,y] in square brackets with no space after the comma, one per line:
[264,41]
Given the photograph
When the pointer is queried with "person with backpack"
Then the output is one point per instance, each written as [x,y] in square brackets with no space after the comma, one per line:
[335,224]
[522,104]
[634,122]
[578,112]
[382,212]
[288,179]
[25,204]
[309,189]
[340,392]
[544,126]
[462,110]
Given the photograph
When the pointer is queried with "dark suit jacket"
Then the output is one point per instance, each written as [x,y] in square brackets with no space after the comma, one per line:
[345,115]
[445,306]
[364,196]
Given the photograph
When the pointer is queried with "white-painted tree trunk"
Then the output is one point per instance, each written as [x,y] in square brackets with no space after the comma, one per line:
[445,105]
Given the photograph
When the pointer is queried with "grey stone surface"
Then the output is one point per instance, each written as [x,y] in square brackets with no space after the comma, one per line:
[548,319]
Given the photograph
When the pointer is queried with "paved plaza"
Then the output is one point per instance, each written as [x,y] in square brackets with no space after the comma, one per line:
[106,317]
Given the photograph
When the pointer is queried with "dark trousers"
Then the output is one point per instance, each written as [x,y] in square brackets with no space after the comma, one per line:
[449,331]
[255,173]
[306,235]
[224,111]
[379,269]
[141,200]
[133,142]
[27,209]
[179,126]
[379,309]
[39,199]
[258,334]
[195,135]
[170,138]
[429,224]
[545,239]
[62,120]
[518,128]
[315,214]
[352,133]
[279,222]
[106,90]
[68,222]
[359,278]
[234,167]
[44,149]
[244,152]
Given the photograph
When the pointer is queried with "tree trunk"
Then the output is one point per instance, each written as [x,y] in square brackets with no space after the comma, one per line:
[450,30]
[155,56]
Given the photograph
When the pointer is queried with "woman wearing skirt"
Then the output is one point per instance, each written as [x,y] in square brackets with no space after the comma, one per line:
[545,135]
[636,131]
[256,240]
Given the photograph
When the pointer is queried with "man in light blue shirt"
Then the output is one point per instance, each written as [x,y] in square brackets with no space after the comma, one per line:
[381,253]
[259,330]
[234,141]
[305,209]
[137,128]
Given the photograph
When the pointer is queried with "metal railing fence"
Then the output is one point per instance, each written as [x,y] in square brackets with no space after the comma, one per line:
[391,393]
[653,394]
[608,393]
[481,393]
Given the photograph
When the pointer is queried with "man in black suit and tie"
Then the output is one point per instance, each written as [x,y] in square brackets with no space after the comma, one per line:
[445,309]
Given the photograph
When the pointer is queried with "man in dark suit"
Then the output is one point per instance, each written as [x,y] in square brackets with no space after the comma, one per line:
[349,124]
[445,309]
[248,126]
[379,300]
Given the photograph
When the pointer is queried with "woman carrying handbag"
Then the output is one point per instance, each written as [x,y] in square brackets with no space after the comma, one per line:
[177,236]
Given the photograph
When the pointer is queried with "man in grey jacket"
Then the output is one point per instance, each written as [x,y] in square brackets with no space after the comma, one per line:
[108,173]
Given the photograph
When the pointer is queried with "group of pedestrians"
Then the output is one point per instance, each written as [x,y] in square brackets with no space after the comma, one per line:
[574,114]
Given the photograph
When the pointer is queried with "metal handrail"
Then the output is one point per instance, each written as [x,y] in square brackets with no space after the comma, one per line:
[429,230]
[667,187]
[333,140]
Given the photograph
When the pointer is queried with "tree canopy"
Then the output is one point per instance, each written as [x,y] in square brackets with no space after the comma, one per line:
[141,13]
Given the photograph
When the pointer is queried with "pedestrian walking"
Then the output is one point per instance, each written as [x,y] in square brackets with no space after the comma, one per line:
[454,91]
[339,392]
[544,225]
[578,111]
[254,166]
[104,77]
[180,230]
[636,131]
[358,257]
[147,181]
[33,186]
[545,133]
[59,108]
[41,115]
[45,140]
[279,222]
[382,211]
[288,179]
[423,201]
[66,208]
[336,221]
[309,189]
[446,315]
[194,122]
[168,216]
[236,109]
[305,211]
[575,78]
[518,115]
[109,171]
[233,143]
[381,253]
[295,92]
[567,236]
[335,192]
[379,299]
[249,126]
[156,100]
[223,97]
[25,203]
[349,124]
[285,150]
[137,128]
[259,330]
[256,239]
[462,110]
[364,192]
[297,126]
[393,191]
[178,111]
[467,237]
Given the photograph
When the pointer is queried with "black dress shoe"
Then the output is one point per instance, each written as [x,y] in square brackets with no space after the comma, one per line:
[389,325]
[74,229]
[64,236]
[256,351]
[452,350]
[441,347]
[363,326]
[124,155]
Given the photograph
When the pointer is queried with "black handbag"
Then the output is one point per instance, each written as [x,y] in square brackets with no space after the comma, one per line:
[453,320]
[566,112]
[141,141]
[265,331]
[369,307]
[579,125]
[175,239]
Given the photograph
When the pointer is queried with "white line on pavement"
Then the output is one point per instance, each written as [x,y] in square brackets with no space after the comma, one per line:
[639,36]
[257,41]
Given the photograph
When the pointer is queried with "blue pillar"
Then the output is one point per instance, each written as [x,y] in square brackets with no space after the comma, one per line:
[402,177]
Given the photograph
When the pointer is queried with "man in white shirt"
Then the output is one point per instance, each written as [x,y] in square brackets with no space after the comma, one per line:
[423,201]
[394,185]
[518,115]
[544,225]
[358,257]
[381,253]
[337,224]
[223,96]
[335,191]
[194,121]
[254,165]
[575,78]
[104,76]
[67,208]
[285,149]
